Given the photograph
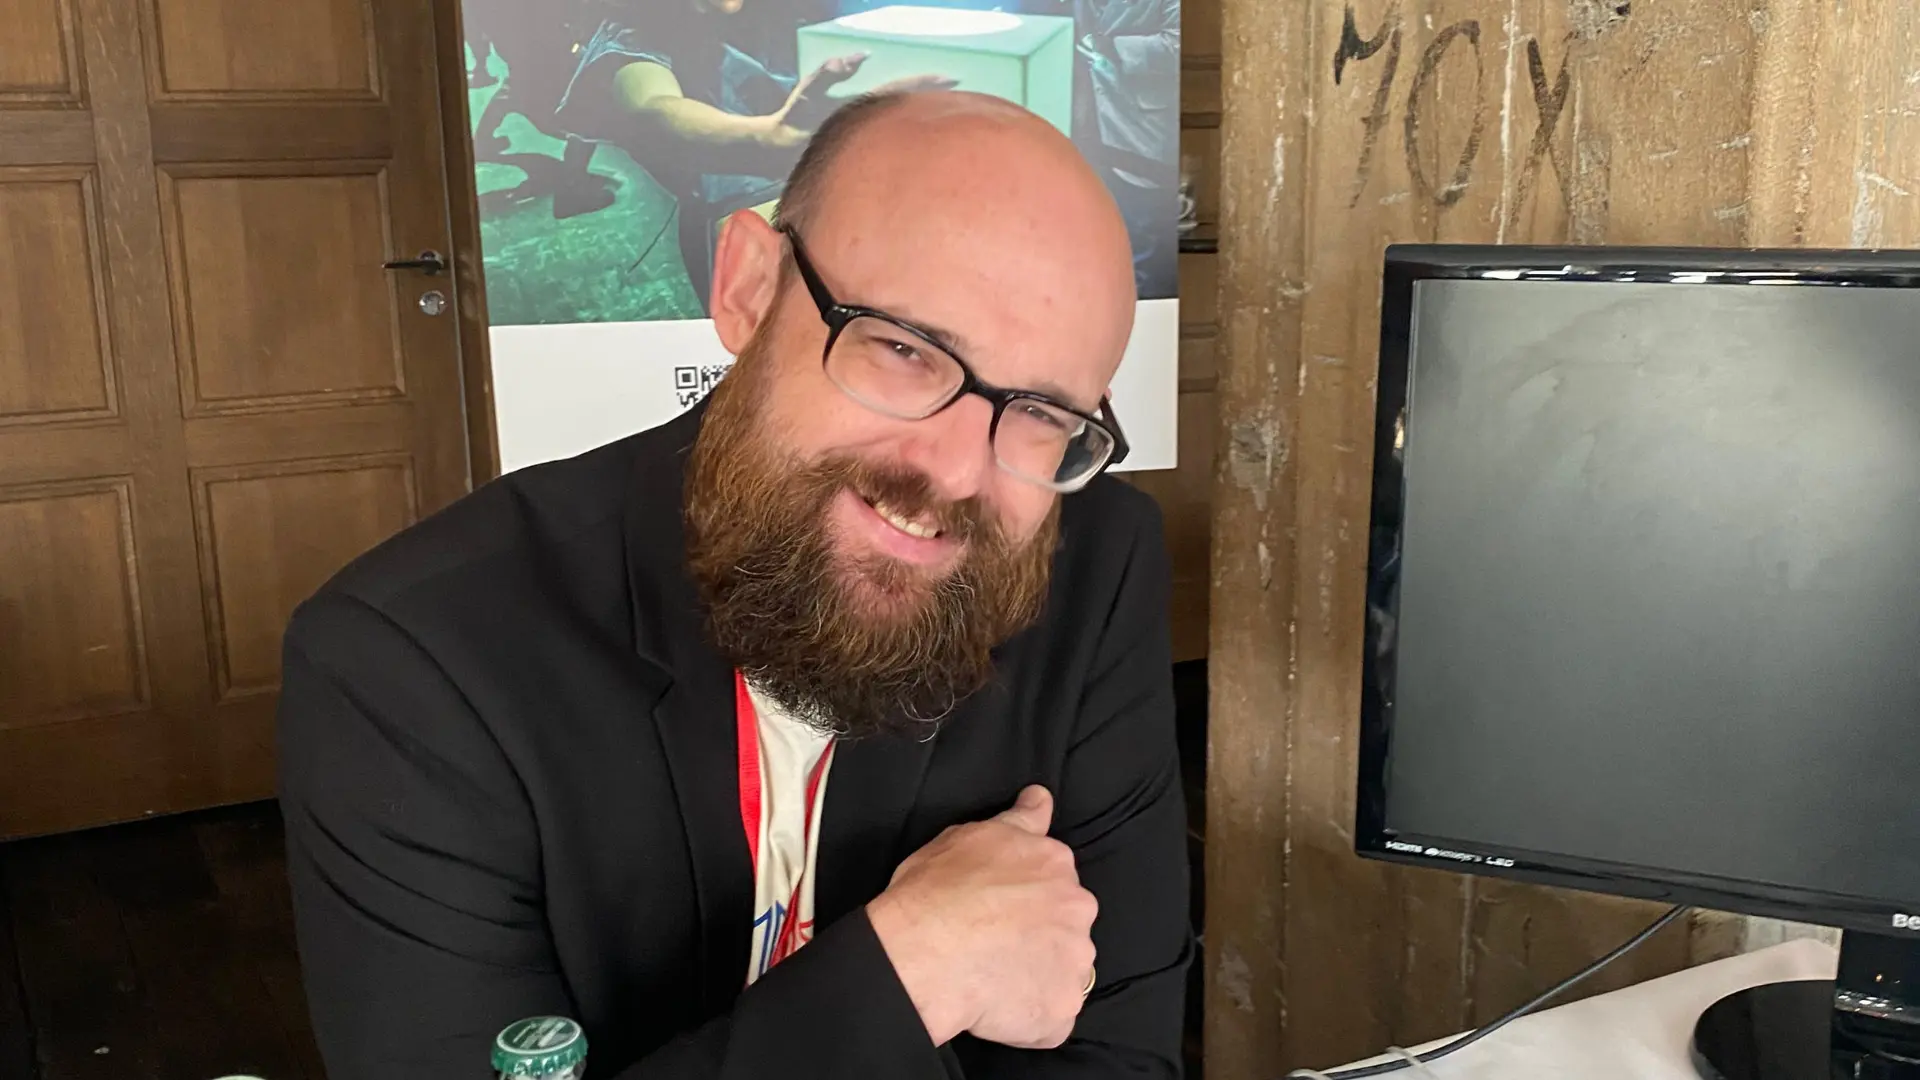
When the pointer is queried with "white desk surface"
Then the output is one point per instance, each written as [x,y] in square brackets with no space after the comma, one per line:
[1640,1032]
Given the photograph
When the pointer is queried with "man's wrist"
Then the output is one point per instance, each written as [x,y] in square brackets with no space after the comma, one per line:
[935,995]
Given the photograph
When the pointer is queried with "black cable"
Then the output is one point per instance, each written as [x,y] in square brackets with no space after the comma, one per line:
[1475,1036]
[658,233]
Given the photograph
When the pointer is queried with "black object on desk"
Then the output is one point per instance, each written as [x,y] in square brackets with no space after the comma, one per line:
[1864,1025]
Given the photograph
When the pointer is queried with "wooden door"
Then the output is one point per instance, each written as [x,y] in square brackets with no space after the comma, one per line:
[212,394]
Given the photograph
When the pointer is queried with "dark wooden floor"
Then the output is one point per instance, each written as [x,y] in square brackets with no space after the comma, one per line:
[163,950]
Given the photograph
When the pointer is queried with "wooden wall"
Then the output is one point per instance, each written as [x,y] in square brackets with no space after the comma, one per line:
[1349,124]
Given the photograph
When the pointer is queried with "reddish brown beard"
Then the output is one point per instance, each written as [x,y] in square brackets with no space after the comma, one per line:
[855,647]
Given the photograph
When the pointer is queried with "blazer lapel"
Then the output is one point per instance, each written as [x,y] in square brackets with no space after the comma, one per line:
[696,724]
[871,792]
[695,715]
[878,805]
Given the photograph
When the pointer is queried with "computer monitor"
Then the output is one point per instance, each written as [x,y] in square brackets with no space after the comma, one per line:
[1643,608]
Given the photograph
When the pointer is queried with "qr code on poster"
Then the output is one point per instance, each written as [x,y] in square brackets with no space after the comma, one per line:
[691,382]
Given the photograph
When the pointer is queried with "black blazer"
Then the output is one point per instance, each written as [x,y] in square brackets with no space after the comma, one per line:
[508,778]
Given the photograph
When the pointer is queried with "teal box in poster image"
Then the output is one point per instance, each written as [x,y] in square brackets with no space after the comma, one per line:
[1026,59]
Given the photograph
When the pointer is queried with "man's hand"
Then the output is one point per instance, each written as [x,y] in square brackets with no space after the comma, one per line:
[1097,52]
[989,929]
[808,105]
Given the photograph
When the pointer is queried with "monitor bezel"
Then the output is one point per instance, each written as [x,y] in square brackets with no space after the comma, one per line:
[1405,265]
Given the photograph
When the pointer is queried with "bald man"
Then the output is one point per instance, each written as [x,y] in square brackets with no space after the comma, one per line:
[824,731]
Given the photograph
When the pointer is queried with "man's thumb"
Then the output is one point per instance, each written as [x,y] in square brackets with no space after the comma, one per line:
[1032,811]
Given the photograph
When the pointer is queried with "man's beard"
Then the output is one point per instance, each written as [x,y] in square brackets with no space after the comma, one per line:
[852,645]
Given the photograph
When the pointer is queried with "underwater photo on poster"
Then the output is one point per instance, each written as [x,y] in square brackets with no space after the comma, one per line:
[612,137]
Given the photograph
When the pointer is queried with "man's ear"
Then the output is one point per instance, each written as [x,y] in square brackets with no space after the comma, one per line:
[746,278]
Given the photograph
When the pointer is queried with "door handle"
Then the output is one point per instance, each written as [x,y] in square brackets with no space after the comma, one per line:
[429,263]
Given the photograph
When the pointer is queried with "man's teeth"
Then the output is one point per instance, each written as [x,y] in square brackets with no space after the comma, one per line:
[905,524]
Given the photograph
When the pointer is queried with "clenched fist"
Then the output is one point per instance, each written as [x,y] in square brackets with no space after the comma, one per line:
[990,931]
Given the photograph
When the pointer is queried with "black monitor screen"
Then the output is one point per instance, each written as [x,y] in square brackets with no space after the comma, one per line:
[1659,587]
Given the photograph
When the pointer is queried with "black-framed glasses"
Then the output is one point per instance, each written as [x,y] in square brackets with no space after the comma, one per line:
[898,369]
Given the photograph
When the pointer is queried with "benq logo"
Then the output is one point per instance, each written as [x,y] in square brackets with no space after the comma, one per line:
[1906,922]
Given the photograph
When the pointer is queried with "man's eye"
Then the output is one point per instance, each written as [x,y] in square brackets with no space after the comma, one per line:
[901,351]
[1040,414]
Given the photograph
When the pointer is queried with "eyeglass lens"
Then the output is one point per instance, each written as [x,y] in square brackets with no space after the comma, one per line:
[894,371]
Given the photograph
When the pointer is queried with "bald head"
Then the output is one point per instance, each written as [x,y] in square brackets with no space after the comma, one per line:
[993,142]
[929,117]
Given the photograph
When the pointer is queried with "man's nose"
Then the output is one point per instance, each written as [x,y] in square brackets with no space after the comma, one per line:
[954,447]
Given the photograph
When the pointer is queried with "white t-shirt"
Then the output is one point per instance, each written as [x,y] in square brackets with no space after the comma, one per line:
[793,758]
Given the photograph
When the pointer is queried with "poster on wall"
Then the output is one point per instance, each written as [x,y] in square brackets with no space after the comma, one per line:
[613,137]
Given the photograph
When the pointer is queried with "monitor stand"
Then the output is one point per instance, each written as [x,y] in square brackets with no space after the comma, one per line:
[1864,1025]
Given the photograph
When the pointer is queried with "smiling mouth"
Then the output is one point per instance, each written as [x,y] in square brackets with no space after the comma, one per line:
[921,527]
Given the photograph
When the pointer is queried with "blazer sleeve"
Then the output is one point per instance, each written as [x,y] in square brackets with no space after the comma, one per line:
[1120,807]
[414,860]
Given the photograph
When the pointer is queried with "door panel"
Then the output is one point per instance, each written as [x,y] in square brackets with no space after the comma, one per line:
[53,356]
[226,48]
[69,604]
[260,555]
[258,329]
[212,394]
[38,64]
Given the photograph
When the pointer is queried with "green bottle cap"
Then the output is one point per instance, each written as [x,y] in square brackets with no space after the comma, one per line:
[539,1046]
